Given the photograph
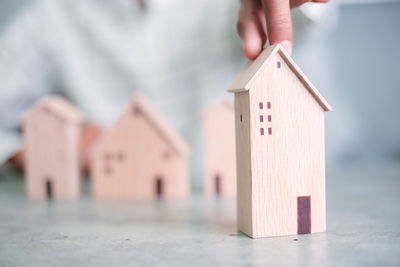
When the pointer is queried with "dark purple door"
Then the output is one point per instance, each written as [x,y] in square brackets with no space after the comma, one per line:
[49,189]
[159,187]
[303,215]
[217,185]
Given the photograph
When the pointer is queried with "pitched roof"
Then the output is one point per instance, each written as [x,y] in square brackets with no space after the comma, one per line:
[224,103]
[59,106]
[253,68]
[158,122]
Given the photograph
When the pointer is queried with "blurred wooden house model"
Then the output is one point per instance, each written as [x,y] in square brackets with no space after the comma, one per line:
[279,118]
[52,132]
[140,157]
[220,156]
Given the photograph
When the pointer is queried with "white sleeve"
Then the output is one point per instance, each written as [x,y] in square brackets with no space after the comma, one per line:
[24,74]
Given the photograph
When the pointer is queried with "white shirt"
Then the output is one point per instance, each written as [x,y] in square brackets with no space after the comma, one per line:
[181,54]
[99,53]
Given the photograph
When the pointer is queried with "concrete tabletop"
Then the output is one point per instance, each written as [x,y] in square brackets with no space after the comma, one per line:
[363,229]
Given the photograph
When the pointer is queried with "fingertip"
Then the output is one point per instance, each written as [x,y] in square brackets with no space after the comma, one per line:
[287,45]
[251,53]
[252,47]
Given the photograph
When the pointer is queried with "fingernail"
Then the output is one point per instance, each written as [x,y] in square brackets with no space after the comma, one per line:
[287,45]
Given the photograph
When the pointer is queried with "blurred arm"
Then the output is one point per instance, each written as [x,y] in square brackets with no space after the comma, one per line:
[24,77]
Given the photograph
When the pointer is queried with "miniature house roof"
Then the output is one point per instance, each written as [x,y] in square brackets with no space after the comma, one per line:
[253,68]
[225,103]
[156,121]
[59,106]
[160,125]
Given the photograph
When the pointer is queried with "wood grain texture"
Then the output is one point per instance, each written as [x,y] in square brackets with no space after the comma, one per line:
[287,152]
[52,130]
[220,153]
[139,151]
[243,163]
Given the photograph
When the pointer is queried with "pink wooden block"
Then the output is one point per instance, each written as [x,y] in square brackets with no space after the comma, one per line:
[52,132]
[141,156]
[274,169]
[220,154]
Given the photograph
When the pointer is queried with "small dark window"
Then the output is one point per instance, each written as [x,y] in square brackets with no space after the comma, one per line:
[108,170]
[260,105]
[46,109]
[136,111]
[269,118]
[165,155]
[278,64]
[121,156]
[261,118]
[159,187]
[241,117]
[268,105]
[262,131]
[270,131]
[107,156]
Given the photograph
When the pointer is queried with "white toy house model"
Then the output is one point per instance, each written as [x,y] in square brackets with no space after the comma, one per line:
[279,118]
[52,133]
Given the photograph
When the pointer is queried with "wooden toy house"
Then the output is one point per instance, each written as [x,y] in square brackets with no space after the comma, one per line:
[220,153]
[52,132]
[140,157]
[279,118]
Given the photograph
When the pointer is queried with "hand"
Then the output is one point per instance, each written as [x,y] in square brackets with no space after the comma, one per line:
[17,160]
[260,20]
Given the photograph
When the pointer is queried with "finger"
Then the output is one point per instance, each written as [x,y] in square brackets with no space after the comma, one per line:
[296,3]
[251,27]
[279,22]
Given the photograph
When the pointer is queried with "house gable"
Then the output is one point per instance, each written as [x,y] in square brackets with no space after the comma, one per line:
[256,67]
[140,107]
[222,106]
[56,105]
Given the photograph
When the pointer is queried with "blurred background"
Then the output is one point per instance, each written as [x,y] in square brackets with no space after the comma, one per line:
[183,55]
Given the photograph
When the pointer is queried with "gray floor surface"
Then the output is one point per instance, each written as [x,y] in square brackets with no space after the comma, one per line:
[363,229]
